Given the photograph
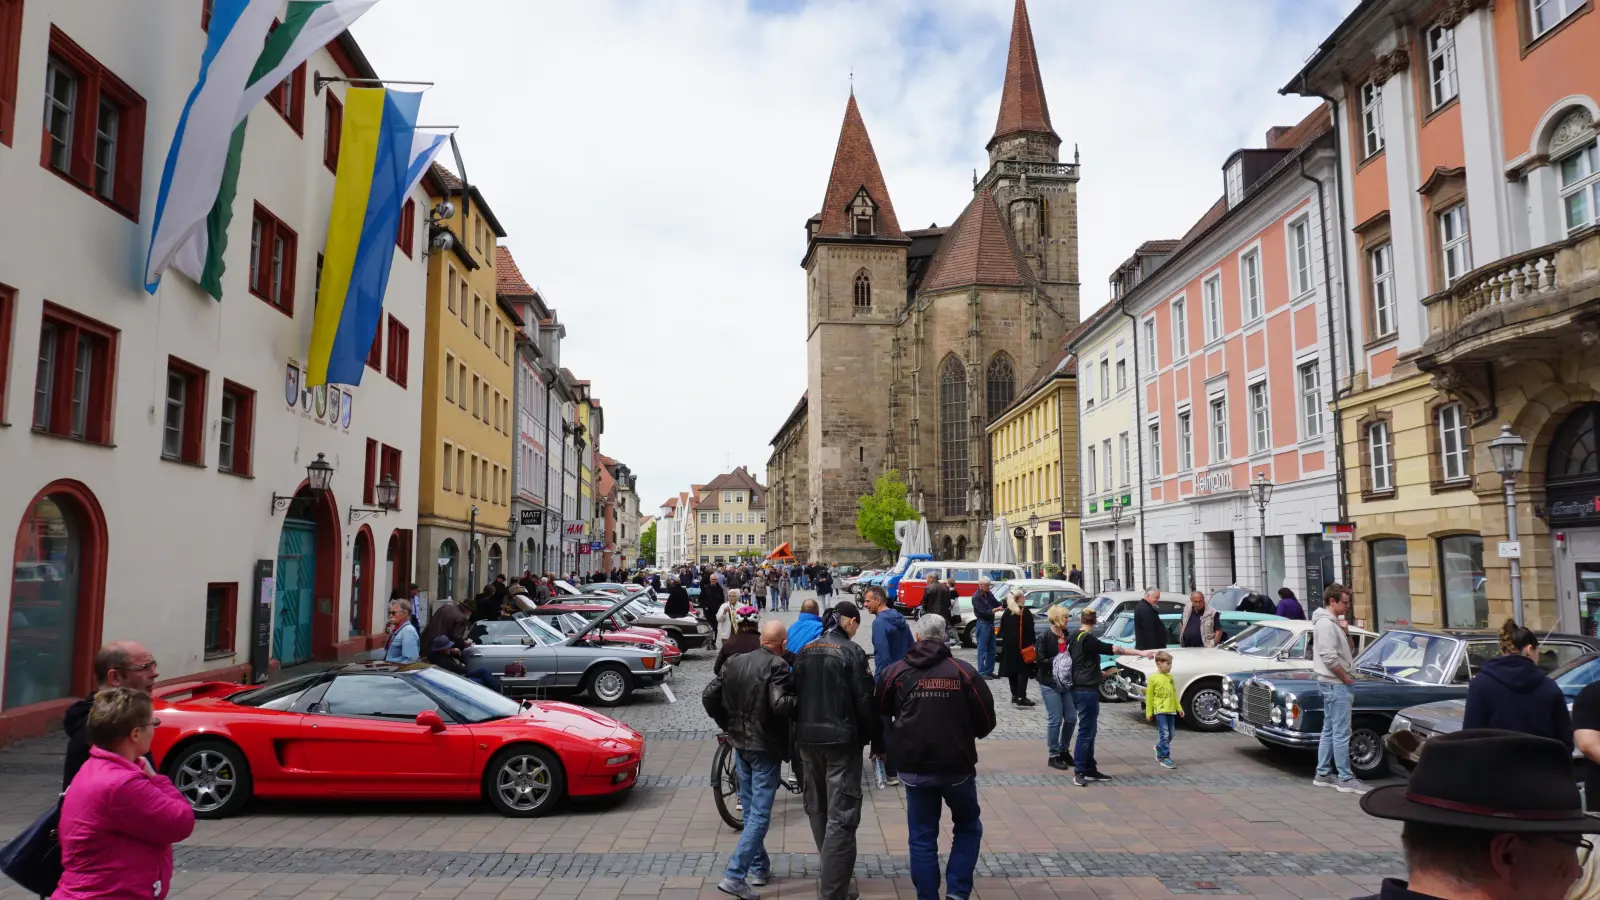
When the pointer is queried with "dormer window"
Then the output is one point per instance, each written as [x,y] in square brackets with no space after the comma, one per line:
[1235,179]
[863,215]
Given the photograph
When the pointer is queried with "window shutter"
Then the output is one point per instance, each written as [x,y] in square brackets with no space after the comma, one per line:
[10,44]
[130,160]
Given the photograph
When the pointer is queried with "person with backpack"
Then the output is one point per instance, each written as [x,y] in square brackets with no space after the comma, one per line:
[1081,669]
[1060,714]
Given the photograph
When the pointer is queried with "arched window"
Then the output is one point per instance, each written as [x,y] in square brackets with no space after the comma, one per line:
[1577,164]
[863,290]
[57,597]
[447,570]
[1002,385]
[494,561]
[953,436]
[361,578]
[1575,449]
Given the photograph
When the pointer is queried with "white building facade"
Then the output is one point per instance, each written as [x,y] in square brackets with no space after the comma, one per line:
[157,447]
[1107,457]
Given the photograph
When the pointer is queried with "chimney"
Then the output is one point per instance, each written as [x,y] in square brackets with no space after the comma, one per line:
[1275,132]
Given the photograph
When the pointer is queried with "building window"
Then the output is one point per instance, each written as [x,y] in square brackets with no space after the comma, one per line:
[77,365]
[236,429]
[1372,116]
[1122,374]
[1106,463]
[375,352]
[222,603]
[1105,379]
[1086,389]
[1455,442]
[399,363]
[461,385]
[205,14]
[1185,441]
[1250,284]
[1002,385]
[185,411]
[408,226]
[1454,243]
[1380,457]
[1391,582]
[272,260]
[8,302]
[1466,595]
[461,470]
[863,290]
[953,437]
[449,461]
[332,130]
[1441,65]
[1547,14]
[449,377]
[450,289]
[1580,187]
[289,97]
[1150,346]
[1300,257]
[390,468]
[369,477]
[1260,419]
[1212,298]
[1155,449]
[1310,400]
[93,126]
[464,291]
[1091,471]
[10,52]
[703,518]
[1124,448]
[1235,182]
[1380,265]
[1180,331]
[1219,430]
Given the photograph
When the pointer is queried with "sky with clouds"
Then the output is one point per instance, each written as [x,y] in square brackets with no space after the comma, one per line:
[654,161]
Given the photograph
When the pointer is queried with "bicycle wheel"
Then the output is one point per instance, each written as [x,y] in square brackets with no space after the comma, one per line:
[725,787]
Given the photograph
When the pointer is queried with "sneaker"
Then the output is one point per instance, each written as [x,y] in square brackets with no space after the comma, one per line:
[1057,762]
[1097,775]
[1168,763]
[738,889]
[758,879]
[1024,701]
[1321,780]
[1158,755]
[893,781]
[1078,780]
[1067,759]
[1352,786]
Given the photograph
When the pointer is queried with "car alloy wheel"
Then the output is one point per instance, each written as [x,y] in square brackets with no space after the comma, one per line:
[1366,751]
[525,782]
[1205,708]
[1109,693]
[206,779]
[609,685]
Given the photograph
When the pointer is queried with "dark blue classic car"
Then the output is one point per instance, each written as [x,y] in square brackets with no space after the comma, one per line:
[1402,668]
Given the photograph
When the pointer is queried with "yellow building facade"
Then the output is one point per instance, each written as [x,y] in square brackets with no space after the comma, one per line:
[468,418]
[1033,446]
[730,515]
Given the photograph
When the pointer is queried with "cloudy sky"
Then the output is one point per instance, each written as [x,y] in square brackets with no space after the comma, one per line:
[654,161]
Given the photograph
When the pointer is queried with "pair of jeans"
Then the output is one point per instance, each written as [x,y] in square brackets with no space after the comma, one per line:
[1061,718]
[889,771]
[983,630]
[485,677]
[1165,723]
[758,786]
[924,805]
[1333,749]
[833,804]
[1087,702]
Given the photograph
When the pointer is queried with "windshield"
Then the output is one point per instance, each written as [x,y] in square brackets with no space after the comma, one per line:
[543,633]
[1227,599]
[570,623]
[276,696]
[469,700]
[1101,605]
[1120,629]
[1262,641]
[1578,676]
[1418,658]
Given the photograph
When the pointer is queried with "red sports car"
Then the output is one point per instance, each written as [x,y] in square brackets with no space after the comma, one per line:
[385,731]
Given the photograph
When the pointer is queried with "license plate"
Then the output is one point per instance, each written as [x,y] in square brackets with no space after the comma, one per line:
[1242,728]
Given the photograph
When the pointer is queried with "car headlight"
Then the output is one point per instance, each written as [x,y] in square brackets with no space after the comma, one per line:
[1227,696]
[1276,715]
[1400,723]
[1291,712]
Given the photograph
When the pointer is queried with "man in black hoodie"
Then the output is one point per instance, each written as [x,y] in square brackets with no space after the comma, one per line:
[677,599]
[118,664]
[939,708]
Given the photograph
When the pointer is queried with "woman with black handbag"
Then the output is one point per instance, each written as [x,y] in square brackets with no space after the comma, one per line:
[1017,653]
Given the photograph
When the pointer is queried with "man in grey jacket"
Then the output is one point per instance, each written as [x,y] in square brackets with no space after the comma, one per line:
[1334,665]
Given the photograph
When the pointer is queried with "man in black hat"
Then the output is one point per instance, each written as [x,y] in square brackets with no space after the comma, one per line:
[1489,815]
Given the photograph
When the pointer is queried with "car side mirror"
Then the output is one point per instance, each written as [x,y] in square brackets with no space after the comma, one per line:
[429,719]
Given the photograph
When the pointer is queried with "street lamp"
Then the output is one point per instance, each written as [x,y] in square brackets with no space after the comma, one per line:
[319,477]
[1508,452]
[1261,490]
[387,493]
[1033,535]
[1116,539]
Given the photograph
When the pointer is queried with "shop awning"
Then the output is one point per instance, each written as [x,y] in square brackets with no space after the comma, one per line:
[782,554]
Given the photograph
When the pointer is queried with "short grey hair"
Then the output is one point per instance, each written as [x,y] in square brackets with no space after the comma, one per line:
[930,627]
[985,580]
[402,605]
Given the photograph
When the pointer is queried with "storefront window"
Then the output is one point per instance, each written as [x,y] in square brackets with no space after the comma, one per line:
[44,605]
[1466,597]
[1391,583]
[1161,565]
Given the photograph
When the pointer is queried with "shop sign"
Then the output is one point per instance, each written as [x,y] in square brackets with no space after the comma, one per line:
[574,529]
[1094,507]
[1019,532]
[1577,505]
[583,549]
[595,545]
[1055,526]
[1213,482]
[1125,500]
[533,517]
[1339,531]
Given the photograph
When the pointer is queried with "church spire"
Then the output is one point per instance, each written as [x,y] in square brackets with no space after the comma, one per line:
[1022,102]
[857,202]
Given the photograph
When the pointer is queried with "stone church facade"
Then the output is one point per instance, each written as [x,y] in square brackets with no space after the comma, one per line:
[916,339]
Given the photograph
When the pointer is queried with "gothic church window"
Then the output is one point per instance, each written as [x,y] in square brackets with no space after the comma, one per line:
[863,290]
[1002,386]
[953,436]
[1044,217]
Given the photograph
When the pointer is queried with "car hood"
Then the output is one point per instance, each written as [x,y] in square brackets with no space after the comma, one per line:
[1442,716]
[1207,660]
[574,720]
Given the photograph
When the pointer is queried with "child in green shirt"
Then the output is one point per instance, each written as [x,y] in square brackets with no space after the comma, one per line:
[1161,704]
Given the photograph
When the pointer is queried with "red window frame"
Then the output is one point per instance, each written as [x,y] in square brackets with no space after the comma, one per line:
[244,427]
[191,440]
[227,617]
[408,226]
[96,83]
[399,352]
[289,96]
[271,228]
[8,303]
[369,475]
[375,354]
[390,468]
[332,129]
[205,15]
[69,328]
[10,55]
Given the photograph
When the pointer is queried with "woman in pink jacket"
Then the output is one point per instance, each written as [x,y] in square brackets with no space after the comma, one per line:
[120,818]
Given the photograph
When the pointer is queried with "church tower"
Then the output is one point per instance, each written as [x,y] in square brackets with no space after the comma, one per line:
[855,266]
[1037,192]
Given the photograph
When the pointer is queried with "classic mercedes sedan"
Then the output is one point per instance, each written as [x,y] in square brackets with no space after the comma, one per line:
[535,660]
[1403,668]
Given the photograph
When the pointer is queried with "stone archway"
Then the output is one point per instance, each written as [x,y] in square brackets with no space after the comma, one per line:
[305,610]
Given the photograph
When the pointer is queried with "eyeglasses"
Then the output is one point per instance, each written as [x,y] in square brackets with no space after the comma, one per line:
[1583,847]
[142,667]
[153,723]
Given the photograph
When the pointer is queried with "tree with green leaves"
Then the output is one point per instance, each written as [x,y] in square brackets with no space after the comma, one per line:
[877,512]
[647,545]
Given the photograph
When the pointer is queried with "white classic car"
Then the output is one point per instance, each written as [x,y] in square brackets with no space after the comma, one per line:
[1197,672]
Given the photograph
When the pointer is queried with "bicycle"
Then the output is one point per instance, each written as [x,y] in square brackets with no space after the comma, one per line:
[725,784]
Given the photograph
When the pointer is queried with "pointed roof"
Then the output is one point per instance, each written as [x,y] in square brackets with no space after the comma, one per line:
[978,249]
[507,276]
[1022,102]
[855,166]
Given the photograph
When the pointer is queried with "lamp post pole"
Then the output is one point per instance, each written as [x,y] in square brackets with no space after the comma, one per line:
[472,553]
[1033,538]
[1508,452]
[1116,542]
[1261,490]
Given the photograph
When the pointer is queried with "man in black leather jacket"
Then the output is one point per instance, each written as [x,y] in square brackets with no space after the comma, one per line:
[752,701]
[837,717]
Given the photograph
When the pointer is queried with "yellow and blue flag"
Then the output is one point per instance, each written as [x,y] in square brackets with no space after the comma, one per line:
[380,159]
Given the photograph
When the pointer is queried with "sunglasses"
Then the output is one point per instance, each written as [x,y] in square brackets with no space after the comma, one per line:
[153,723]
[142,667]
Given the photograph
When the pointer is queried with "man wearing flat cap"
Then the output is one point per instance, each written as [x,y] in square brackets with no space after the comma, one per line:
[1489,815]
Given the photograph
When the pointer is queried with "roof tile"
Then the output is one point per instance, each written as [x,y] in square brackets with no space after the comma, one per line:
[855,166]
[978,249]
[507,277]
[1022,101]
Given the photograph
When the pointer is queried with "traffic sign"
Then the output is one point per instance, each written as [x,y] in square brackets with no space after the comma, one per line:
[1510,549]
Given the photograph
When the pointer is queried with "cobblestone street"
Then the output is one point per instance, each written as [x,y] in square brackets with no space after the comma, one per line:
[1234,819]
